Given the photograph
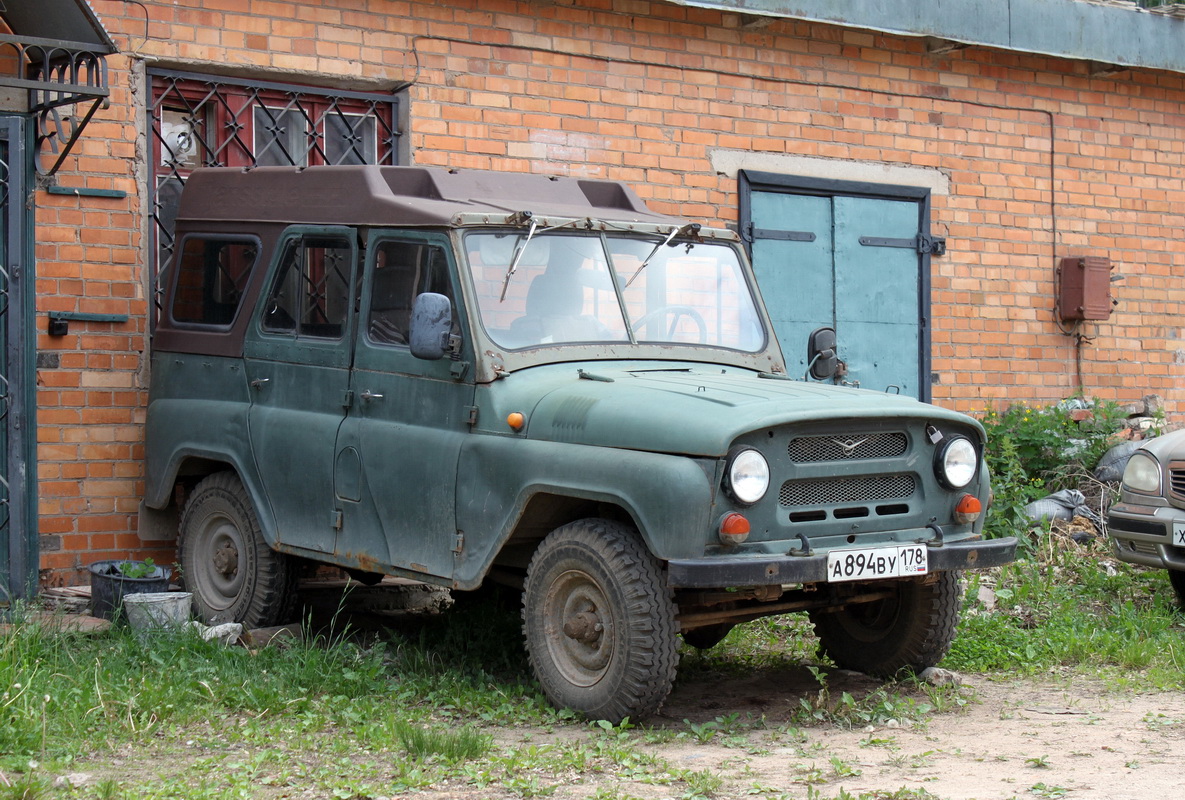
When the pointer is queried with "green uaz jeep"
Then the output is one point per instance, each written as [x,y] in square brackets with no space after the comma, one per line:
[465,376]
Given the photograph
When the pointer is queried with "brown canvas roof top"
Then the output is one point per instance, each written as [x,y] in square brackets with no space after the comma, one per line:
[374,195]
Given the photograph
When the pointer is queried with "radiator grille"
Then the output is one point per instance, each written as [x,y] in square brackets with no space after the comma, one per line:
[811,449]
[1177,482]
[837,491]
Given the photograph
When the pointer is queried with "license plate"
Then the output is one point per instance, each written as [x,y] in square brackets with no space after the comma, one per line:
[876,562]
[1179,534]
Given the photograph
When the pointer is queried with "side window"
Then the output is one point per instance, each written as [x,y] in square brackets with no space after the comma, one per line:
[403,270]
[212,275]
[311,292]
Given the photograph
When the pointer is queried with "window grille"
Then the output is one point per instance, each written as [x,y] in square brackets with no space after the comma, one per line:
[211,121]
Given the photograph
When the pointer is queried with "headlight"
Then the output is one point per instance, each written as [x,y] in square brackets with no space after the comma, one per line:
[957,463]
[747,476]
[1142,473]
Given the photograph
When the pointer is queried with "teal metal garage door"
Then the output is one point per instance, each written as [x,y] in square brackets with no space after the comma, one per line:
[852,256]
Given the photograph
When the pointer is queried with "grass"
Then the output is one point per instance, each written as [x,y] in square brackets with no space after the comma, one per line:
[437,703]
[1074,609]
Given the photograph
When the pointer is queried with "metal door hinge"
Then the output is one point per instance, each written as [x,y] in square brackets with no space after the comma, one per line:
[459,543]
[751,233]
[923,243]
[472,419]
[932,245]
[348,399]
[335,519]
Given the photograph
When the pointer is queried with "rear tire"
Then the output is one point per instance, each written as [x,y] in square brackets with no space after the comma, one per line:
[707,637]
[233,574]
[911,630]
[599,622]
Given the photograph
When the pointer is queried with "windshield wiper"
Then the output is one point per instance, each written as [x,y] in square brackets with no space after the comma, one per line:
[518,254]
[690,228]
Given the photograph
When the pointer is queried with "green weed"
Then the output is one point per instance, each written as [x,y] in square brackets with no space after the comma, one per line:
[452,746]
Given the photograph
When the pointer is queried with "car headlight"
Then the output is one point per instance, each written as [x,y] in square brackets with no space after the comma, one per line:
[957,463]
[1142,473]
[747,476]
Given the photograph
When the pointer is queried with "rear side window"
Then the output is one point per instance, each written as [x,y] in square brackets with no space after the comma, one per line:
[311,293]
[212,277]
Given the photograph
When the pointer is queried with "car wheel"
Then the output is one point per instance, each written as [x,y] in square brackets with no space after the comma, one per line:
[599,622]
[233,574]
[1177,579]
[912,629]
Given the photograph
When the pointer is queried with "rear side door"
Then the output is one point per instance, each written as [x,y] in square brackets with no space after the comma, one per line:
[397,455]
[853,257]
[297,357]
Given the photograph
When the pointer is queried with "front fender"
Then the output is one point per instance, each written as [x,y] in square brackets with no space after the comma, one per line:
[669,498]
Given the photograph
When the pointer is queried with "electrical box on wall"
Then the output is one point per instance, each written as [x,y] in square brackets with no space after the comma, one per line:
[1085,287]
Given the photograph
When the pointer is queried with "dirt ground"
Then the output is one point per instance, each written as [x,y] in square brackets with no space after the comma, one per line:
[1079,741]
[1055,737]
[1020,739]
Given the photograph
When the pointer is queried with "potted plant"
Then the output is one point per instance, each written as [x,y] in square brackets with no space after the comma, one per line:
[111,580]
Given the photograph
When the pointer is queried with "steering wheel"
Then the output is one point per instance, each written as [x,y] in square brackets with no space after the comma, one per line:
[677,311]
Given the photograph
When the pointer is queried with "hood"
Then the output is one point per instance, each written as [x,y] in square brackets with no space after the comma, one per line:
[676,408]
[1169,447]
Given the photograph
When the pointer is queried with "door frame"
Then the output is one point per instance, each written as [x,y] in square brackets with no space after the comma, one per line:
[749,181]
[19,536]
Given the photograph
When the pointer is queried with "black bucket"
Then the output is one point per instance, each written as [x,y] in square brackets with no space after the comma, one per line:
[109,585]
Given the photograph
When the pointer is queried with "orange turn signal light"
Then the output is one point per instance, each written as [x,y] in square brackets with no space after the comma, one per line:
[968,509]
[516,420]
[734,528]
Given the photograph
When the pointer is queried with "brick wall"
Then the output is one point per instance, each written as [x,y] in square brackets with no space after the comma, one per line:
[1042,160]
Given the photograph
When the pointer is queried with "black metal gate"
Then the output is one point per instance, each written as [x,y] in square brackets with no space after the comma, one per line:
[18,535]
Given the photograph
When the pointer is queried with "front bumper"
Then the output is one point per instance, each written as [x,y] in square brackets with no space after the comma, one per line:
[1144,535]
[741,570]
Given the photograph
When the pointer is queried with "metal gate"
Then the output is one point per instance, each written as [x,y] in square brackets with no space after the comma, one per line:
[18,535]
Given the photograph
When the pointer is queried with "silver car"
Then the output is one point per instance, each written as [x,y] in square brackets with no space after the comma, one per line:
[1147,525]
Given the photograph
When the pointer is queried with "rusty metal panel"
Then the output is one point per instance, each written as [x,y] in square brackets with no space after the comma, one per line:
[1085,288]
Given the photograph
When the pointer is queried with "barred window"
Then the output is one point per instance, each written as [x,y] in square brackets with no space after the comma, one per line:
[212,121]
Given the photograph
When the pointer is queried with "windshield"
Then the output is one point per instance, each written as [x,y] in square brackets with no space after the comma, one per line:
[591,288]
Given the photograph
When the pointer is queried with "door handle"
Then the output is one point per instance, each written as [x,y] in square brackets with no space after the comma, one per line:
[258,382]
[369,395]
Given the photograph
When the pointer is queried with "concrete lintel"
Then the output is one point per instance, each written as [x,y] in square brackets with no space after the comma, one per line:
[729,162]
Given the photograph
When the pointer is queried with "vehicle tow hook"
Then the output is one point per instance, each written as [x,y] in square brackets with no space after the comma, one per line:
[937,540]
[805,550]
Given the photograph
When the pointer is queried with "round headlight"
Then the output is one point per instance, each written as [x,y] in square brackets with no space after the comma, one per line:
[958,463]
[1142,473]
[748,476]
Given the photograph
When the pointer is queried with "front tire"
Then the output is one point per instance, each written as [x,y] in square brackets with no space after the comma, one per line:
[913,629]
[599,622]
[233,574]
[1177,579]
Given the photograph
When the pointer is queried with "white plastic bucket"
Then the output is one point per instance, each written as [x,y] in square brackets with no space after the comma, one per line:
[157,610]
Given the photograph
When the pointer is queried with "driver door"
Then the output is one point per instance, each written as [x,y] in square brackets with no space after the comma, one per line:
[397,455]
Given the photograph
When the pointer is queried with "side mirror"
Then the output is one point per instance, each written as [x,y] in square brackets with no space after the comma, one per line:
[431,324]
[822,362]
